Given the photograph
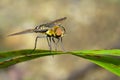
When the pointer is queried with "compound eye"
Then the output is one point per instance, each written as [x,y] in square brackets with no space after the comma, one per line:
[59,31]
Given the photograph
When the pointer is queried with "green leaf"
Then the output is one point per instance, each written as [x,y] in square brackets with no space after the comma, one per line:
[108,59]
[12,57]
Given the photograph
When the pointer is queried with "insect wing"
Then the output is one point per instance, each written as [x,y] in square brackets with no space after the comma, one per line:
[55,22]
[22,32]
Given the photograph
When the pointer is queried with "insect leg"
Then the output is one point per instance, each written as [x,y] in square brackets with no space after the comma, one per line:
[36,39]
[61,44]
[49,42]
[53,39]
[35,45]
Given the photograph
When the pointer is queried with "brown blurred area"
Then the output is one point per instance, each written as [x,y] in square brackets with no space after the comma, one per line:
[90,24]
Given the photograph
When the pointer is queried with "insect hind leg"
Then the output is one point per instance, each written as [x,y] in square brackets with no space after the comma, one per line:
[49,42]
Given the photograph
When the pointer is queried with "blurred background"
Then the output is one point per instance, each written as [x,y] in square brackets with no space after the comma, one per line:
[90,24]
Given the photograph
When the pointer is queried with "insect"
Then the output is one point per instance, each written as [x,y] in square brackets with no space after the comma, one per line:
[53,32]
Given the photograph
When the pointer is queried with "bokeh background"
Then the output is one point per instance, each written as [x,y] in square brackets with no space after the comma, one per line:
[90,24]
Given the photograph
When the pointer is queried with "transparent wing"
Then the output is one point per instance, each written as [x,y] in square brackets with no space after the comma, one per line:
[50,24]
[55,22]
[22,32]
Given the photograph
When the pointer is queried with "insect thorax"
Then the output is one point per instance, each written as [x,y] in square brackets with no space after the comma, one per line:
[41,28]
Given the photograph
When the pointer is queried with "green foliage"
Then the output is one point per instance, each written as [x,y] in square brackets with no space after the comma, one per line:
[12,57]
[108,59]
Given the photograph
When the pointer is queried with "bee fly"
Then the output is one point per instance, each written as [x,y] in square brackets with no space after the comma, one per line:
[53,31]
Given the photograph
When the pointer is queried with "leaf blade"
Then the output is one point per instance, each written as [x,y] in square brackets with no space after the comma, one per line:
[108,59]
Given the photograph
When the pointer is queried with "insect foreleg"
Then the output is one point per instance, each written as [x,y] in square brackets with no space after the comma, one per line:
[36,39]
[61,44]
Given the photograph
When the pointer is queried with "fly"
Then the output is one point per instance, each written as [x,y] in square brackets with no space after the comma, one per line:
[53,31]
